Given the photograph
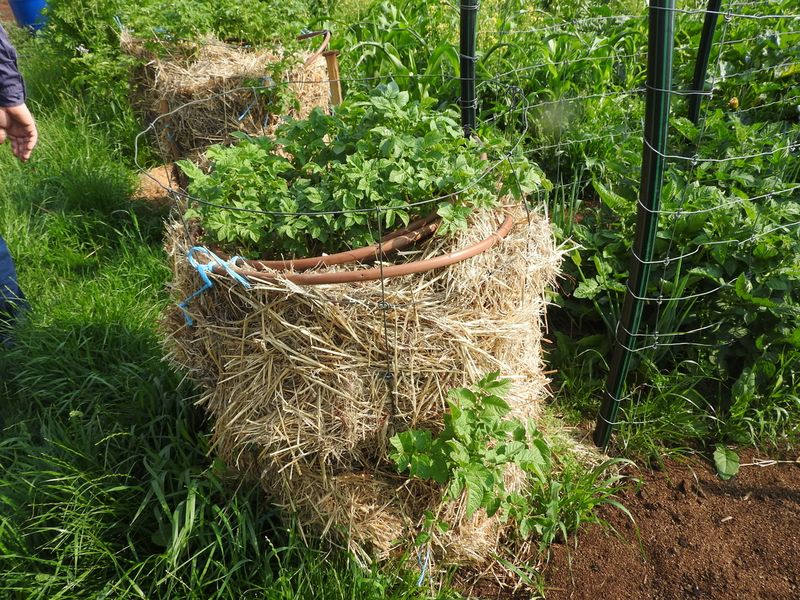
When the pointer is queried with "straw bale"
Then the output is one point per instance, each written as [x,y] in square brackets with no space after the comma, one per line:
[305,385]
[197,94]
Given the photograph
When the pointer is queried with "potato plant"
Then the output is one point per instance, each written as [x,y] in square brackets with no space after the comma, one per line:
[340,180]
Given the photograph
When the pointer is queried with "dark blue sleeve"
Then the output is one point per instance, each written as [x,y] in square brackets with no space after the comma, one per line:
[12,88]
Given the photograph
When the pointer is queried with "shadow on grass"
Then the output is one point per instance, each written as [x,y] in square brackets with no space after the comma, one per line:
[106,458]
[108,490]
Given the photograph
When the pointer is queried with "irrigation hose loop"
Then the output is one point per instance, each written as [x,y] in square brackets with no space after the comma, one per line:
[376,273]
[322,47]
[396,241]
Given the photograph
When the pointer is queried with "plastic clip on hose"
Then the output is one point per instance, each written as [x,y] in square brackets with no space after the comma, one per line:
[203,269]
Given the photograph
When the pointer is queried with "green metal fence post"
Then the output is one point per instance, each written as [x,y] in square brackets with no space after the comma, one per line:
[703,54]
[657,103]
[468,53]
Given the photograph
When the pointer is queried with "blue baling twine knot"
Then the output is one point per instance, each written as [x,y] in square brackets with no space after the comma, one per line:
[203,270]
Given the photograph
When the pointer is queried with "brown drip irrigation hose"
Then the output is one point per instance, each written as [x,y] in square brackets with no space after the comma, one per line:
[377,273]
[322,47]
[397,240]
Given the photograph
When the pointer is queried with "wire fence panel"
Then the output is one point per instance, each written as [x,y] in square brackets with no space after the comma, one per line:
[567,88]
[719,297]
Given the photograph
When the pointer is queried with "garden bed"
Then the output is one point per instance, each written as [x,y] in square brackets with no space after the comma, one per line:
[203,91]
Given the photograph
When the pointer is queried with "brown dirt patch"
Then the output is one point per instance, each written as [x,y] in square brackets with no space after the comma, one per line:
[698,537]
[154,185]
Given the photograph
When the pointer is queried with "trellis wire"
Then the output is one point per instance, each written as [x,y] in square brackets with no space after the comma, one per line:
[607,418]
[560,143]
[659,75]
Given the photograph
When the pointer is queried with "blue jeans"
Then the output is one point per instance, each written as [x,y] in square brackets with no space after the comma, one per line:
[12,300]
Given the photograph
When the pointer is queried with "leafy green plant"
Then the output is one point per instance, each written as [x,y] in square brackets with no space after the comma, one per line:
[258,22]
[477,444]
[377,161]
[408,41]
[726,461]
[723,308]
[471,455]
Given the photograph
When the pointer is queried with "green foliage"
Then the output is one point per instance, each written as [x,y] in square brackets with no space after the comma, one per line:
[470,457]
[720,368]
[106,487]
[726,461]
[471,453]
[738,262]
[380,156]
[259,22]
[411,41]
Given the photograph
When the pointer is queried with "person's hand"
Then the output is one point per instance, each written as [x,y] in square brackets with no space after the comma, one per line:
[17,124]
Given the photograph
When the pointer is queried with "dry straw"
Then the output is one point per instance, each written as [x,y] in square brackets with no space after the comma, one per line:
[305,385]
[205,90]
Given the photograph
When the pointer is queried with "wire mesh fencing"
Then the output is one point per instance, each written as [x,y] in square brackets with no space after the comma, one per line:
[718,221]
[686,271]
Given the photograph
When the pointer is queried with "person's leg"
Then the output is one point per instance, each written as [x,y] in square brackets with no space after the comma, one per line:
[12,300]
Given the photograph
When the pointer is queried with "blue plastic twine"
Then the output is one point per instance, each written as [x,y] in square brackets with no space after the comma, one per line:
[266,82]
[203,270]
[423,565]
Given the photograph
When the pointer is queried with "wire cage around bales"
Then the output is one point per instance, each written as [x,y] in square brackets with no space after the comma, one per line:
[306,383]
[206,90]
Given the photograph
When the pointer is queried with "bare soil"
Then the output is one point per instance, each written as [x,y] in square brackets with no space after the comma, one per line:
[154,185]
[695,536]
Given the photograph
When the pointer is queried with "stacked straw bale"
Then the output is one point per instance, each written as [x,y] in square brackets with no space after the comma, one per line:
[305,385]
[196,94]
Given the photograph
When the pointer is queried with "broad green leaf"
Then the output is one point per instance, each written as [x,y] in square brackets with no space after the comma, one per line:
[491,504]
[726,461]
[475,486]
[465,397]
[455,488]
[191,170]
[423,537]
[458,453]
[587,289]
[500,407]
[439,470]
[620,206]
[744,389]
[494,384]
